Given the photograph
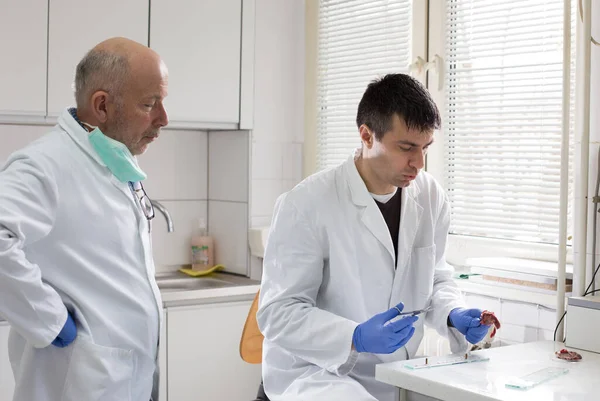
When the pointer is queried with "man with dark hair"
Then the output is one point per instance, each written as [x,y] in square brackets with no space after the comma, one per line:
[350,248]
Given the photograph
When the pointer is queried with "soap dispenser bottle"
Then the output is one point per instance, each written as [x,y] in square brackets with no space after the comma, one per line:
[202,248]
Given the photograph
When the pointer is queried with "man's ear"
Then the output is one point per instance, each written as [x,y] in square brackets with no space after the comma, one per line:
[99,106]
[366,136]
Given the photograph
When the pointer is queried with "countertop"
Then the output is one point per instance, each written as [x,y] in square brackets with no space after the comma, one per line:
[485,381]
[238,288]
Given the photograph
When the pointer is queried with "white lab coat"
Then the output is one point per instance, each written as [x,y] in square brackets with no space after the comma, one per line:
[329,265]
[72,234]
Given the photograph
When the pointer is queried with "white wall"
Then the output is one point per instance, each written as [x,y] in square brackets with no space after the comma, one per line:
[228,197]
[222,176]
[198,174]
[177,168]
[278,133]
[521,322]
[13,137]
[594,141]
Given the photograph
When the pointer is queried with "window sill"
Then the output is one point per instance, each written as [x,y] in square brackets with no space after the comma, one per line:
[462,248]
[512,294]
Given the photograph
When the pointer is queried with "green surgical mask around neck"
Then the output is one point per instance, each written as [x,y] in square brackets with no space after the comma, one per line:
[116,156]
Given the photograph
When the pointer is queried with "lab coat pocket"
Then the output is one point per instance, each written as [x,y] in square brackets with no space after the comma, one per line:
[423,265]
[98,373]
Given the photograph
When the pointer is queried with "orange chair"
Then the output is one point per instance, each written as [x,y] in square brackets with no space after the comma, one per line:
[251,344]
[252,339]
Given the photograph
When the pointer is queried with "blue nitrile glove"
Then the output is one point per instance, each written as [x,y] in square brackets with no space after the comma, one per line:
[377,337]
[467,322]
[67,334]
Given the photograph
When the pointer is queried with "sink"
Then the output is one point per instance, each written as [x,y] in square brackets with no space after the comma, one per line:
[173,281]
[190,284]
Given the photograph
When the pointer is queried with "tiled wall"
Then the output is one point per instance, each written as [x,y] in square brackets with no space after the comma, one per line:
[196,175]
[181,175]
[521,322]
[205,174]
[278,133]
[177,168]
[228,194]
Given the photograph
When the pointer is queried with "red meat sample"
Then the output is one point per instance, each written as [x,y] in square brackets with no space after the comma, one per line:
[568,355]
[488,318]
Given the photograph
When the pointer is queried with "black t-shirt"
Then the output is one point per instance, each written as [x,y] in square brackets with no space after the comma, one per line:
[391,213]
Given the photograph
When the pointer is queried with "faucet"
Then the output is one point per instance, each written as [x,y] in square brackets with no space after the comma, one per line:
[161,208]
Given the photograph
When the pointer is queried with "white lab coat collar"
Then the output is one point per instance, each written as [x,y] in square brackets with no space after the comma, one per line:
[78,134]
[81,138]
[358,188]
[410,214]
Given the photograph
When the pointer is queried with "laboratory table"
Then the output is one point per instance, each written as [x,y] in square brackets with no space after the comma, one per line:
[485,381]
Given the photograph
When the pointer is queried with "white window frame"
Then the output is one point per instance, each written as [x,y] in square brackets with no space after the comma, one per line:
[418,49]
[428,30]
[461,247]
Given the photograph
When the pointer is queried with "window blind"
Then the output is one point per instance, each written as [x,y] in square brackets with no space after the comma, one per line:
[359,40]
[503,117]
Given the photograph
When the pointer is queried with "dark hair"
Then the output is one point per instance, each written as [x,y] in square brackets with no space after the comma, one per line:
[397,94]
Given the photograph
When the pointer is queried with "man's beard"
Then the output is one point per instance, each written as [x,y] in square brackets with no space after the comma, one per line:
[117,130]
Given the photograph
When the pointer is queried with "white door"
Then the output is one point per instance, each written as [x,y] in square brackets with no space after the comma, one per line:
[7,382]
[200,43]
[203,354]
[23,50]
[76,27]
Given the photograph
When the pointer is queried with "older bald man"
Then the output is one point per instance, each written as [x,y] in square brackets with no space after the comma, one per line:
[76,271]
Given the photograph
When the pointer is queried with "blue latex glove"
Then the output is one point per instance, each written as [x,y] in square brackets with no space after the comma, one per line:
[67,334]
[377,337]
[467,322]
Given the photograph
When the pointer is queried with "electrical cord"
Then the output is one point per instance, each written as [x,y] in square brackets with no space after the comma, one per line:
[558,325]
[593,280]
[595,201]
[586,293]
[587,290]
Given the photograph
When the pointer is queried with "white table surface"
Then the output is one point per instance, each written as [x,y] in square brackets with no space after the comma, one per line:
[483,381]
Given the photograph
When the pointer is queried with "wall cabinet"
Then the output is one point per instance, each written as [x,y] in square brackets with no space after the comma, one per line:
[77,26]
[200,43]
[23,27]
[207,46]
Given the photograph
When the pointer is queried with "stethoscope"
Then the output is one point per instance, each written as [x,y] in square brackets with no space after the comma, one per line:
[144,200]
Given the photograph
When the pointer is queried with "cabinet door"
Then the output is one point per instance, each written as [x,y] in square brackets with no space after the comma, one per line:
[7,382]
[162,359]
[23,50]
[203,353]
[200,43]
[76,27]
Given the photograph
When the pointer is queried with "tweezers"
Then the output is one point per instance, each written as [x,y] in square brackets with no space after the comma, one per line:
[414,312]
